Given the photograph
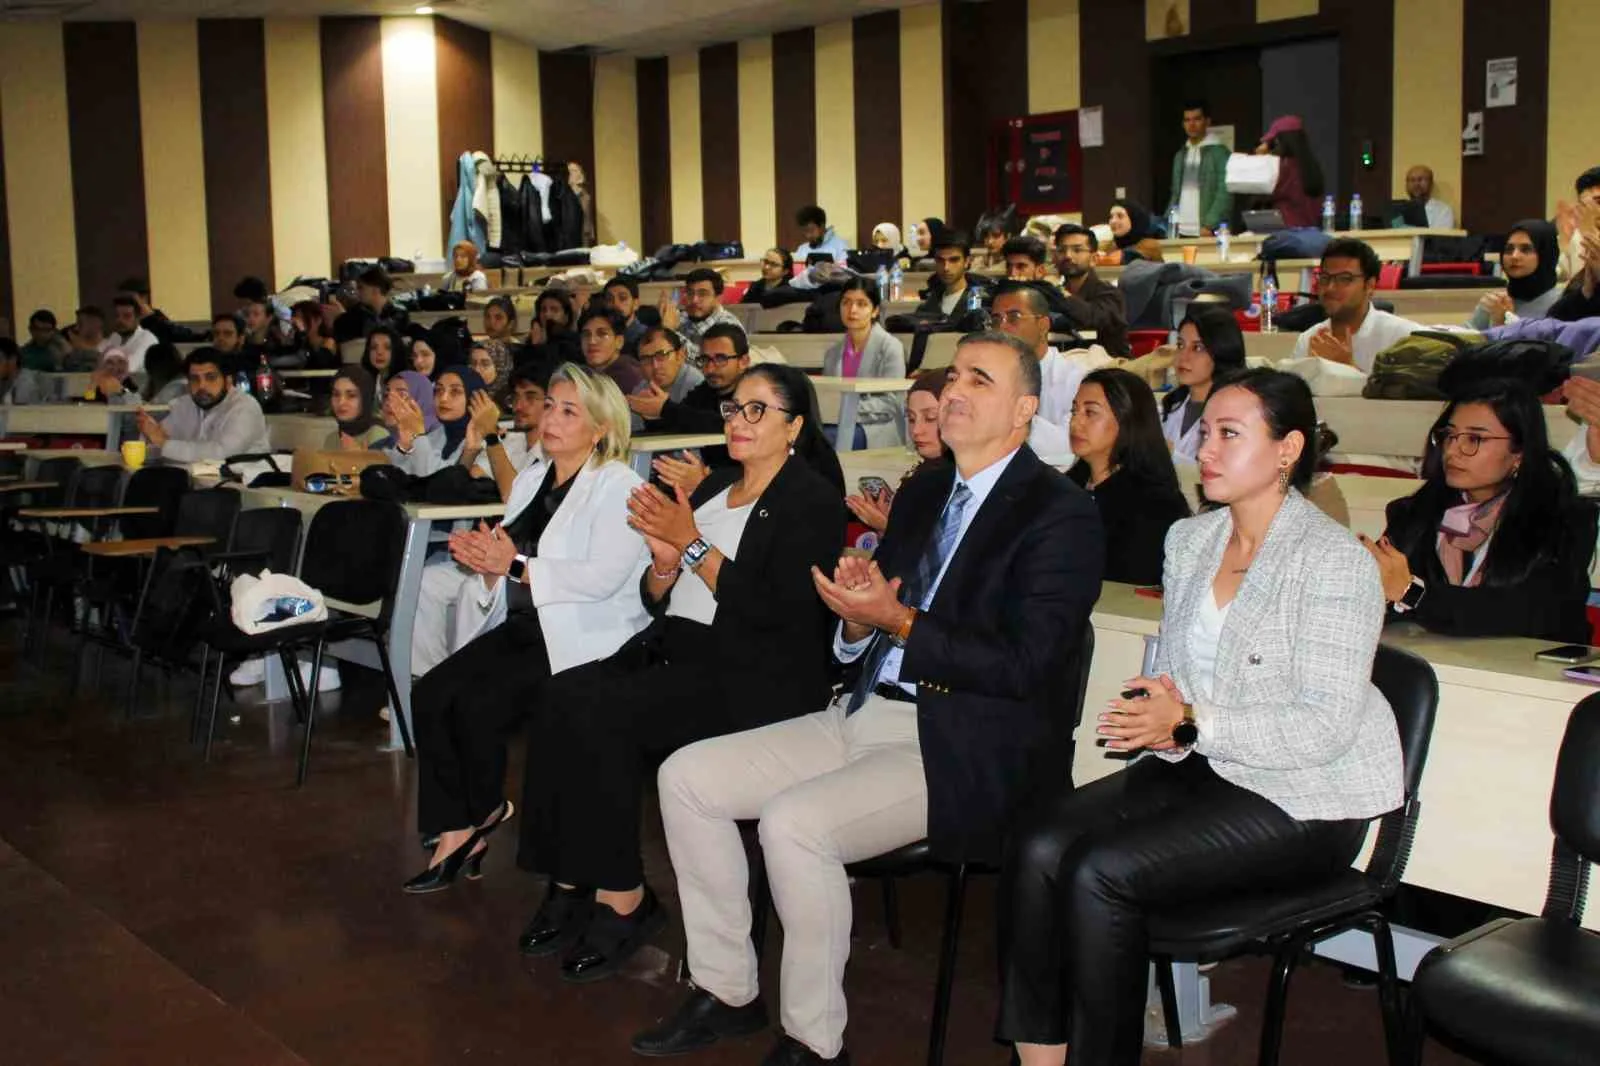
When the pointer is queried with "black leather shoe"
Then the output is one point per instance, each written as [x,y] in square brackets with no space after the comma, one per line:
[612,939]
[790,1052]
[443,874]
[559,921]
[699,1022]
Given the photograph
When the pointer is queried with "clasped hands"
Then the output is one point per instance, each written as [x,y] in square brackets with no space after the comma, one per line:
[485,550]
[666,523]
[860,595]
[1146,721]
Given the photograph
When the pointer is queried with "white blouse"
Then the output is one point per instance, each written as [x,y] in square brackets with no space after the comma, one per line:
[722,527]
[1203,641]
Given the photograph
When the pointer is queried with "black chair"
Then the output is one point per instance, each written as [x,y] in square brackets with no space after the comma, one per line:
[1285,924]
[1526,991]
[917,858]
[58,565]
[161,487]
[352,554]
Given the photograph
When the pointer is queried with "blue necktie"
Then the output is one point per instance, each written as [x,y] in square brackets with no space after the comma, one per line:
[918,591]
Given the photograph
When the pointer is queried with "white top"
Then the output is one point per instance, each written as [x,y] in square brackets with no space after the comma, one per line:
[1203,641]
[1440,214]
[477,281]
[1378,331]
[722,527]
[138,343]
[1189,193]
[950,300]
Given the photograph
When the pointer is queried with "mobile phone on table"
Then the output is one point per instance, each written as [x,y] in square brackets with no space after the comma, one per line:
[1589,675]
[873,488]
[1568,654]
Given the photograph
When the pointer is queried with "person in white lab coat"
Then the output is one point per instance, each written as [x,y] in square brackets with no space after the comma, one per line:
[1210,347]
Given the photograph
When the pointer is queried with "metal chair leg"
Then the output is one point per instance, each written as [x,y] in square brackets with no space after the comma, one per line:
[891,910]
[311,714]
[1169,1001]
[394,696]
[198,714]
[216,694]
[133,681]
[1283,964]
[947,965]
[1388,990]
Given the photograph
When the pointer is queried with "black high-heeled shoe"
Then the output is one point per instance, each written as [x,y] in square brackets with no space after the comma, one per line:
[442,875]
[473,867]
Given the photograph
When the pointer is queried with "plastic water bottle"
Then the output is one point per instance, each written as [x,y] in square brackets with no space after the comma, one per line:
[1330,214]
[283,608]
[974,298]
[241,381]
[1172,221]
[1269,303]
[1355,211]
[1222,242]
[883,284]
[897,279]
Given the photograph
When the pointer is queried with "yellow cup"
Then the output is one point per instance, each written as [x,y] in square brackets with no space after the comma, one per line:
[1191,252]
[133,453]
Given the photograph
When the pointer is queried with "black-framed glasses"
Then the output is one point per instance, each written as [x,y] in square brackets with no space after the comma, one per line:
[1015,317]
[703,361]
[753,411]
[1466,442]
[650,357]
[1342,278]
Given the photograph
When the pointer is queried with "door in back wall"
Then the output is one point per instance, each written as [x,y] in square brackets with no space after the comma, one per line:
[1302,78]
[1228,80]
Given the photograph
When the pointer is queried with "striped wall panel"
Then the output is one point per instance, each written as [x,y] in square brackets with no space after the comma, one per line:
[720,113]
[876,69]
[352,108]
[301,238]
[174,168]
[233,125]
[466,103]
[33,124]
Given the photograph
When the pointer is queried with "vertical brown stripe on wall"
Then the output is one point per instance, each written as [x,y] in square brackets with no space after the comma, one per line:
[1366,93]
[7,311]
[1507,183]
[655,153]
[986,80]
[466,101]
[794,127]
[233,127]
[102,60]
[566,103]
[352,110]
[719,141]
[1114,60]
[876,66]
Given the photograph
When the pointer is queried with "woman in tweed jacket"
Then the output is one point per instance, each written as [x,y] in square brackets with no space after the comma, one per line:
[1272,748]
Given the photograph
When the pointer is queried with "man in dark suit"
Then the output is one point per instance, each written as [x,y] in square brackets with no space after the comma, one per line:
[965,628]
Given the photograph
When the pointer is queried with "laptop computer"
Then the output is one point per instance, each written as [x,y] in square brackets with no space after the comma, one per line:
[1264,221]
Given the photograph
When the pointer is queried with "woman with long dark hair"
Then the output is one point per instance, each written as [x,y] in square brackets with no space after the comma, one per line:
[1123,462]
[1298,194]
[385,355]
[1210,348]
[1497,541]
[740,639]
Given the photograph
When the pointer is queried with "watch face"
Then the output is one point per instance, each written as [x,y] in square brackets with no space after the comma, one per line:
[1185,733]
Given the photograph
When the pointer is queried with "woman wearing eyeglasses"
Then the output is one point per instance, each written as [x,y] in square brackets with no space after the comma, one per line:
[868,351]
[739,640]
[1497,541]
[777,268]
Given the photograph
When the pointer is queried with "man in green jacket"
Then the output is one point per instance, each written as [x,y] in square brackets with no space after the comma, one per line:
[1199,176]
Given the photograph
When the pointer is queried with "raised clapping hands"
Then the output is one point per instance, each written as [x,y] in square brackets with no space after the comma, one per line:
[667,524]
[858,593]
[485,550]
[684,473]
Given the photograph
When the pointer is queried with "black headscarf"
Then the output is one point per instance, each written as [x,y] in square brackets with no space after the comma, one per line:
[362,380]
[455,429]
[1547,245]
[1139,224]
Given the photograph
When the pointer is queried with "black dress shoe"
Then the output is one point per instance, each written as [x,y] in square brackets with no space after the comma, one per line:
[699,1022]
[443,874]
[559,921]
[790,1052]
[612,939]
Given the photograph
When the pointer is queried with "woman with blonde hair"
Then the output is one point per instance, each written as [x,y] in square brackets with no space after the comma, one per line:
[553,587]
[465,277]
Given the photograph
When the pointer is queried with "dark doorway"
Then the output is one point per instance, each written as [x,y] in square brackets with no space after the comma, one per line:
[1302,78]
[1228,80]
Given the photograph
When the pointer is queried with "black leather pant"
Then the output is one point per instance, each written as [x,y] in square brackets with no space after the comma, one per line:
[1088,864]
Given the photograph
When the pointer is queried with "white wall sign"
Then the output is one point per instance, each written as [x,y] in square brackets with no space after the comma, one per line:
[1501,87]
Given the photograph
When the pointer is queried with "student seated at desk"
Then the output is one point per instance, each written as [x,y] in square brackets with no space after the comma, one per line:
[922,415]
[384,357]
[112,381]
[868,351]
[1496,542]
[163,374]
[1528,260]
[464,275]
[421,449]
[669,376]
[312,339]
[86,339]
[1354,331]
[1123,462]
[1091,303]
[1267,746]
[19,384]
[493,364]
[1210,347]
[954,287]
[555,586]
[372,307]
[723,356]
[777,268]
[350,403]
[1134,234]
[212,422]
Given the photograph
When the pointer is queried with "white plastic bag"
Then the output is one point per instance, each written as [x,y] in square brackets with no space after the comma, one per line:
[1252,175]
[257,599]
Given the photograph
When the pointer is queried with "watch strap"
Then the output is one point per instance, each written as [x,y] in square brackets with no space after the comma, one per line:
[1412,597]
[695,552]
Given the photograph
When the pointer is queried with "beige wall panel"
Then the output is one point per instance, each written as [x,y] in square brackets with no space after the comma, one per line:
[758,170]
[174,171]
[1273,10]
[33,125]
[411,133]
[518,121]
[1572,147]
[616,151]
[1053,46]
[1427,95]
[301,243]
[921,114]
[836,126]
[683,104]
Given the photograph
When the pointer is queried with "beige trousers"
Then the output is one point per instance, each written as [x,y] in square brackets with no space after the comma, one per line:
[829,790]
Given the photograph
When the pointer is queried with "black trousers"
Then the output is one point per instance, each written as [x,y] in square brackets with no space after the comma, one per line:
[1088,864]
[462,712]
[595,743]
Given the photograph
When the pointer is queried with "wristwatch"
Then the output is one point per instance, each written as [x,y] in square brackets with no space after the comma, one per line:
[1185,733]
[1412,598]
[491,440]
[518,568]
[695,552]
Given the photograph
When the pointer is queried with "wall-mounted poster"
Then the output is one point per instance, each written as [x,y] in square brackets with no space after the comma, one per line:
[1037,164]
[1500,89]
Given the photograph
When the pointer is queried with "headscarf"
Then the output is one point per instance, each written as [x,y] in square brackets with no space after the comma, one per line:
[472,257]
[362,380]
[1587,180]
[1138,224]
[113,361]
[455,429]
[1547,245]
[890,232]
[500,391]
[421,391]
[397,354]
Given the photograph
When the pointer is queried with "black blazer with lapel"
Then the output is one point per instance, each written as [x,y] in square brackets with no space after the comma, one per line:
[993,655]
[772,634]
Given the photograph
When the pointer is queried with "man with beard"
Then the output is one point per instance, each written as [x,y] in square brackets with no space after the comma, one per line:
[1090,302]
[212,422]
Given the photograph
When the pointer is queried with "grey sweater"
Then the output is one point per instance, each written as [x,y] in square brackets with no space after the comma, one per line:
[881,415]
[235,426]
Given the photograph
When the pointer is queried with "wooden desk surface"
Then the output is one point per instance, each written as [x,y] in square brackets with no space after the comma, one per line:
[862,385]
[84,512]
[675,442]
[122,549]
[12,445]
[27,486]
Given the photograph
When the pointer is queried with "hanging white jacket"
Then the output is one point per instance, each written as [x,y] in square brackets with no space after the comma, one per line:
[486,196]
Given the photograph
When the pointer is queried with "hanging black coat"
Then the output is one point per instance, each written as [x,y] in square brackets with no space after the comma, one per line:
[566,217]
[535,239]
[513,233]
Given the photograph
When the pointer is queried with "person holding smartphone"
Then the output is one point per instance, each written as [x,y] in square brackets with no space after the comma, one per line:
[871,504]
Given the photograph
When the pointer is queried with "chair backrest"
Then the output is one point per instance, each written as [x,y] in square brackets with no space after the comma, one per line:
[63,471]
[96,486]
[208,513]
[1408,682]
[161,487]
[1575,813]
[353,551]
[272,530]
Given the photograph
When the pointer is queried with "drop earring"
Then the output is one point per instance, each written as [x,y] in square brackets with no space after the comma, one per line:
[1283,480]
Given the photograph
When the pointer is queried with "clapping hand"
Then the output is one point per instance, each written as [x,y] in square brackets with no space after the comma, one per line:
[1496,304]
[485,550]
[667,523]
[872,511]
[685,473]
[648,401]
[484,412]
[1145,721]
[860,594]
[1324,344]
[408,421]
[670,316]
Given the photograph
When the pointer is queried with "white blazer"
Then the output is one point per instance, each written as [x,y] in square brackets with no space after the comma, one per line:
[1185,445]
[585,579]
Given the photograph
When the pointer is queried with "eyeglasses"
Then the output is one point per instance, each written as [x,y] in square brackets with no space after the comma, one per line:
[1015,318]
[753,412]
[650,357]
[1467,443]
[703,361]
[776,264]
[1345,278]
